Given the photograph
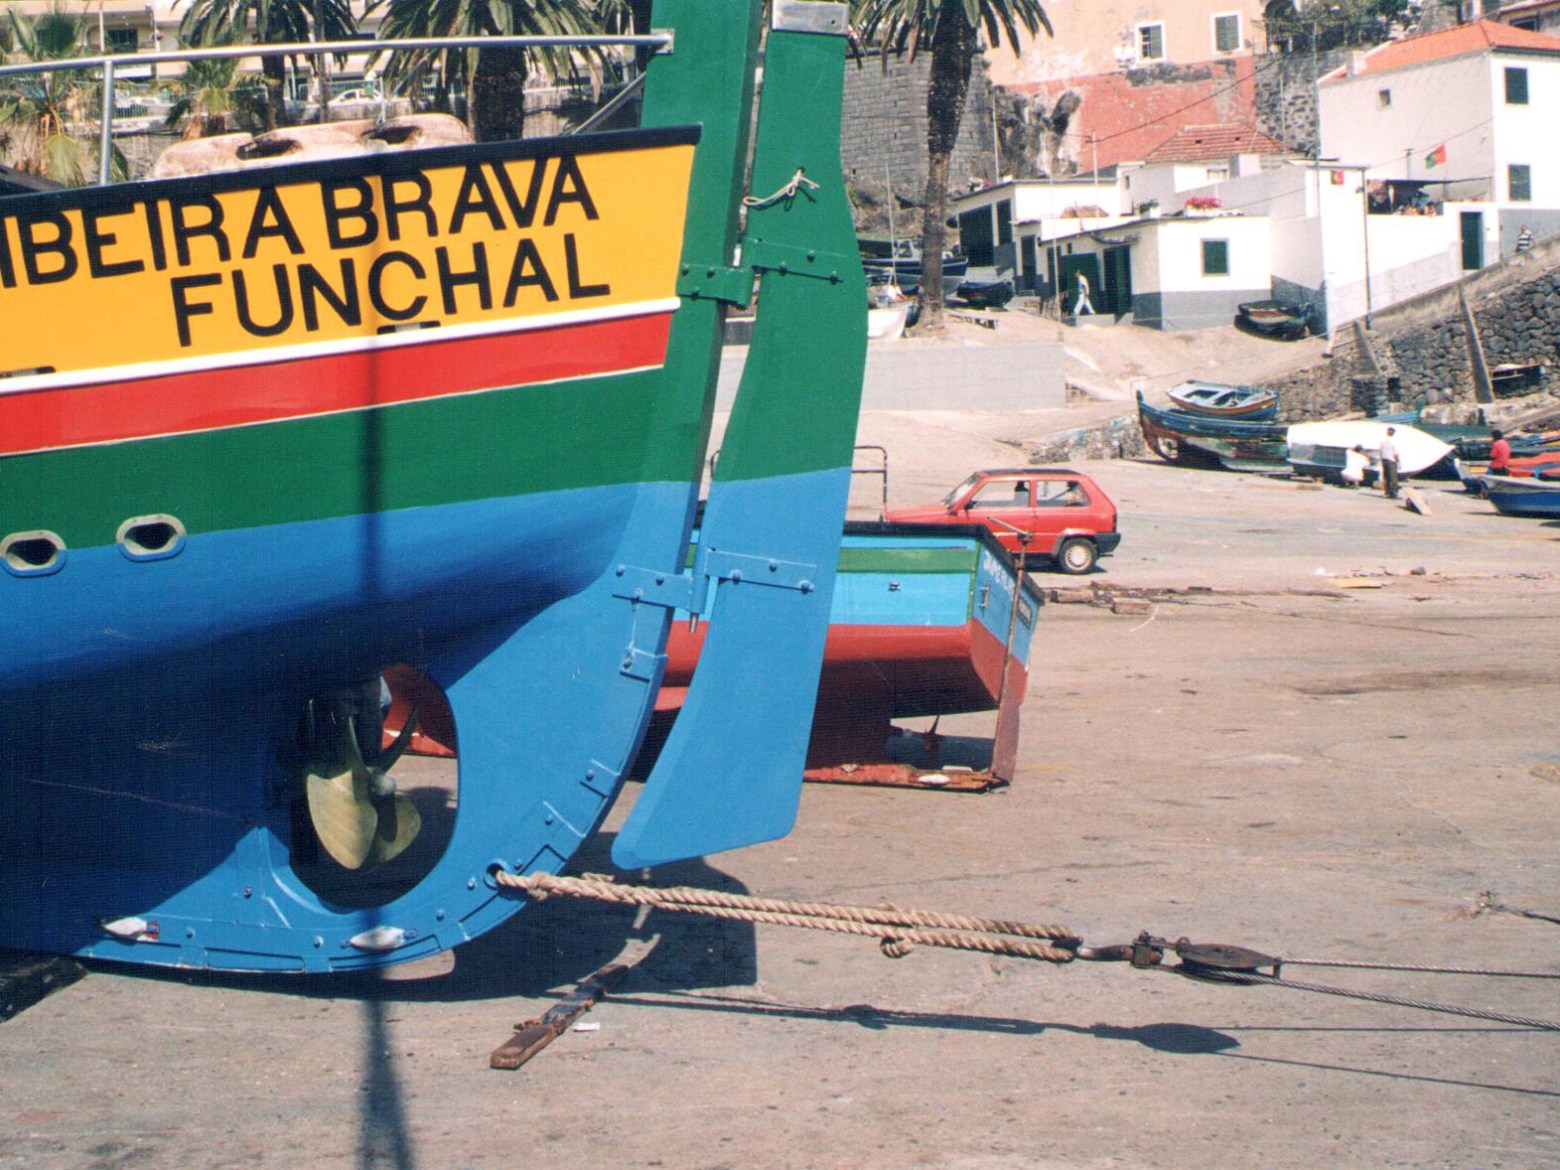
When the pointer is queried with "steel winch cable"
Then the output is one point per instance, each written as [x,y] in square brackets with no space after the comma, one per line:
[1254,978]
[899,930]
[1425,969]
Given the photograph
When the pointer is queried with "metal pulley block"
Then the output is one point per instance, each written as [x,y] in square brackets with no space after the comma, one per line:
[1217,957]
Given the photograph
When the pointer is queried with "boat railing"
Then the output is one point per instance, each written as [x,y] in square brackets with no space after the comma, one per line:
[109,64]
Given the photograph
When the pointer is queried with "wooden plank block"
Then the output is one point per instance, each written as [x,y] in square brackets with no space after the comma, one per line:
[531,1036]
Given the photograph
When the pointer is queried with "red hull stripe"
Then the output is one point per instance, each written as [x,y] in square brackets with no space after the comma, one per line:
[181,403]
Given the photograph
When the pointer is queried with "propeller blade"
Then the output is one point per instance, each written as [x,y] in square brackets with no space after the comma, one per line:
[399,824]
[387,758]
[346,823]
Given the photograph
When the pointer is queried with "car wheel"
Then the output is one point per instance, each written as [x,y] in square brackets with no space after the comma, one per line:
[1077,555]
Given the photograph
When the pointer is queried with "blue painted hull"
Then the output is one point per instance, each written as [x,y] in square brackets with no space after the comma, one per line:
[1523,497]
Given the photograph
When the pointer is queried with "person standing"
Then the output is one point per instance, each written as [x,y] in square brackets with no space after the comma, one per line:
[1389,464]
[1524,239]
[1500,453]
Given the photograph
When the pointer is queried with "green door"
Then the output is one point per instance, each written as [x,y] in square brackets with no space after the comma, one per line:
[1080,276]
[1118,280]
[1472,240]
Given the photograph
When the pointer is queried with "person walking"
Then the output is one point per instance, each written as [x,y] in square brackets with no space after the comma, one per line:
[1389,465]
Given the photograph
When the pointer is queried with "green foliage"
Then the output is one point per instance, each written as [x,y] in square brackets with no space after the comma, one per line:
[898,25]
[219,22]
[495,79]
[1337,24]
[215,97]
[40,111]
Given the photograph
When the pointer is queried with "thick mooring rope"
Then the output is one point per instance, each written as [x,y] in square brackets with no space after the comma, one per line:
[898,931]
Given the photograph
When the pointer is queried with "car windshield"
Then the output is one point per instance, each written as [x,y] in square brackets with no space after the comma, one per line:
[953,497]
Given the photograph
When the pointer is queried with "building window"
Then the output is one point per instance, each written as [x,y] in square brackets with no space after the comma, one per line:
[1151,42]
[1217,172]
[1530,23]
[1216,257]
[1516,87]
[1226,33]
[1519,183]
[127,40]
[1383,98]
[1004,222]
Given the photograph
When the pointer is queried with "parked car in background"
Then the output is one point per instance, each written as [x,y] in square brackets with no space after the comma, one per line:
[1042,515]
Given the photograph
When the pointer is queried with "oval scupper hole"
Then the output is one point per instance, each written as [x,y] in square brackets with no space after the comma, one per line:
[150,538]
[32,554]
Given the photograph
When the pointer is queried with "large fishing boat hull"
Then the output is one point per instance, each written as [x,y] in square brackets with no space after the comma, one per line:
[924,621]
[444,409]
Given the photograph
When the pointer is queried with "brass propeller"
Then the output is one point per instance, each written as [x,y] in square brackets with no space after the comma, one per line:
[358,816]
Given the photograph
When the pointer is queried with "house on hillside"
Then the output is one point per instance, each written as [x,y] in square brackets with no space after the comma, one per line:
[1461,120]
[1542,16]
[1198,156]
[1004,228]
[1187,271]
[1105,36]
[1118,79]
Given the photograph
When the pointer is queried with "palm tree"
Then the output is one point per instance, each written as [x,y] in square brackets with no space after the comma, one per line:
[495,81]
[950,30]
[38,110]
[216,22]
[213,94]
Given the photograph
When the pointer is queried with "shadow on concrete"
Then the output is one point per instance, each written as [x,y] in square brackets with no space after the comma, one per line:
[1171,1039]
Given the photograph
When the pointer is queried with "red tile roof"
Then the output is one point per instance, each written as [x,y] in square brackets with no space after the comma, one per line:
[1218,140]
[1457,41]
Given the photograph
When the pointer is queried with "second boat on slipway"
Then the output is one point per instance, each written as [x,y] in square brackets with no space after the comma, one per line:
[269,431]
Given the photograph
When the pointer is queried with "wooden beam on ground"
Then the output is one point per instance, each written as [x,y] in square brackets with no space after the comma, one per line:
[531,1036]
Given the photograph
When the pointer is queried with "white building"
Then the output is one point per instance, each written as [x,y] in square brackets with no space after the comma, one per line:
[1464,119]
[1003,227]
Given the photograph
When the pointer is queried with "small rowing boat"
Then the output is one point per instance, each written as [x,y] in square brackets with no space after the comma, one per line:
[1219,400]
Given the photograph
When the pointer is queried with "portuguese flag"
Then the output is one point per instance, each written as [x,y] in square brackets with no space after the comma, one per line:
[1436,158]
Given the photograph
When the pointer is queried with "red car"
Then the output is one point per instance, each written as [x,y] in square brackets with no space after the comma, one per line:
[1038,514]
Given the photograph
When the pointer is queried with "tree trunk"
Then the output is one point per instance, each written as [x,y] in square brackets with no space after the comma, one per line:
[953,45]
[274,69]
[498,95]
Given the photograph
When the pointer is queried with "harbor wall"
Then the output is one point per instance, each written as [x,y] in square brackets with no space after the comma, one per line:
[1418,353]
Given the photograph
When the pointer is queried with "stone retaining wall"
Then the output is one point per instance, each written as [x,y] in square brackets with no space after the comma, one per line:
[1421,350]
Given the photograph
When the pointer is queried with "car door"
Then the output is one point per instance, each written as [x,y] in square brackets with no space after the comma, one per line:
[1060,504]
[1006,506]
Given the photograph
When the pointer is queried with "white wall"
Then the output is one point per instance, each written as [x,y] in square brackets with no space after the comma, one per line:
[1169,259]
[1440,102]
[1527,134]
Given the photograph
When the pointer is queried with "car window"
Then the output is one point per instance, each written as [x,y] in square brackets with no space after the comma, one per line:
[957,493]
[1061,493]
[1003,493]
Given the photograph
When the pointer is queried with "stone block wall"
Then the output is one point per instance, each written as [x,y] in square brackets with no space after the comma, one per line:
[1286,96]
[884,125]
